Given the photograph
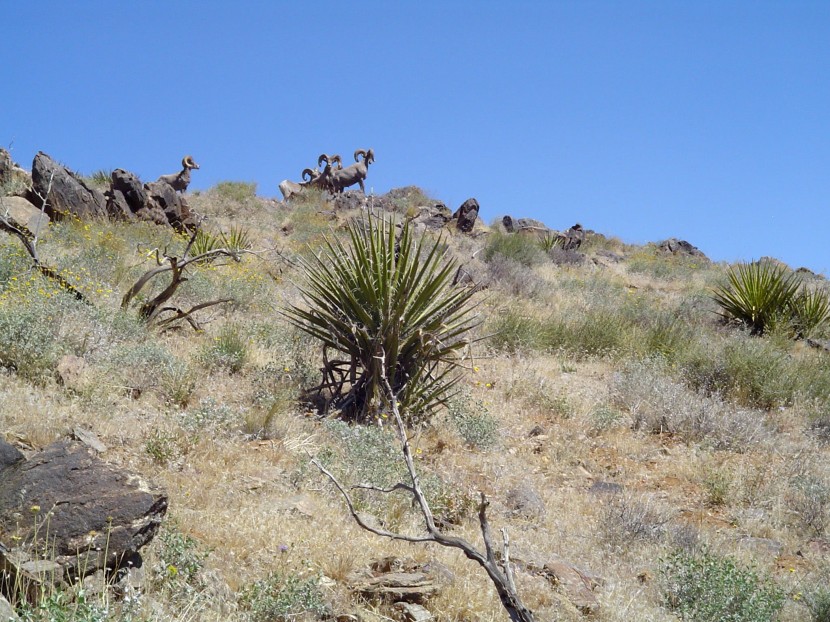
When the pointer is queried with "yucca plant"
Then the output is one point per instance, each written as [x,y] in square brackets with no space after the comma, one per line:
[810,312]
[237,239]
[757,294]
[386,305]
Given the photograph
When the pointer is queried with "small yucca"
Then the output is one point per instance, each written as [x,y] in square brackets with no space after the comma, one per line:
[757,294]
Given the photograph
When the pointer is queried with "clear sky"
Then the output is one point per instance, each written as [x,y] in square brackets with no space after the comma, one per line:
[707,121]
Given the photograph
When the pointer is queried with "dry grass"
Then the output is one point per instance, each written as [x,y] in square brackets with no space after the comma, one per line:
[630,456]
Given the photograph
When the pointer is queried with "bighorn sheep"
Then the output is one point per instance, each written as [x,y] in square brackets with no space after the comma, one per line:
[353,174]
[181,180]
[290,188]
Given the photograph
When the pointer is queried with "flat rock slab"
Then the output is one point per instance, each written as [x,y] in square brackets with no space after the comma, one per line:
[84,513]
[25,213]
[577,586]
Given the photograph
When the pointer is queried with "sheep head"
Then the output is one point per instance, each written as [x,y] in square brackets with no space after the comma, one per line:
[312,173]
[189,163]
[368,156]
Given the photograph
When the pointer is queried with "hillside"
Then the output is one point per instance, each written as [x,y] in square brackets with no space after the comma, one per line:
[618,426]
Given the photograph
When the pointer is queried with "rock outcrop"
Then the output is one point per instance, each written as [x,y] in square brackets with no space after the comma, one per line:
[66,193]
[674,246]
[466,215]
[95,515]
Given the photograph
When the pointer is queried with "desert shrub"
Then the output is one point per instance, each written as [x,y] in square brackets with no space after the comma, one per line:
[209,415]
[659,404]
[760,373]
[817,600]
[652,262]
[370,454]
[33,320]
[284,596]
[523,249]
[626,518]
[139,367]
[387,306]
[236,239]
[705,587]
[228,350]
[65,605]
[562,257]
[473,421]
[178,566]
[809,498]
[603,418]
[514,277]
[757,294]
[512,331]
[237,191]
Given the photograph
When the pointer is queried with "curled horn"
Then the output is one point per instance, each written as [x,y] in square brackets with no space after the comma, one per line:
[370,155]
[310,172]
[188,162]
[359,152]
[323,158]
[336,158]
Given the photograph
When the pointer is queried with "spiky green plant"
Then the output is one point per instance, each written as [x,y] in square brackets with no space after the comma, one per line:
[236,239]
[386,305]
[810,312]
[757,294]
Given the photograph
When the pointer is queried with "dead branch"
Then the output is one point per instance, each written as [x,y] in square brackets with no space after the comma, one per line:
[499,572]
[29,241]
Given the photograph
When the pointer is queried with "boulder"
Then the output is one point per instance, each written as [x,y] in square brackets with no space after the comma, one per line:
[162,198]
[525,502]
[25,213]
[7,612]
[680,247]
[571,239]
[126,196]
[66,192]
[577,585]
[96,515]
[530,223]
[466,215]
[394,579]
[433,216]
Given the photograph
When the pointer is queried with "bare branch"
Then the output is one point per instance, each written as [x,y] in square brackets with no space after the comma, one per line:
[502,579]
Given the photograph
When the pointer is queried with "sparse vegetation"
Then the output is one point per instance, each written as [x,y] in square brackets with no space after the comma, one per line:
[607,387]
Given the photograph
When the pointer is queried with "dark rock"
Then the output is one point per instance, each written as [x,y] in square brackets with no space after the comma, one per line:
[571,239]
[537,430]
[130,189]
[9,455]
[65,191]
[680,247]
[97,514]
[530,223]
[466,215]
[524,501]
[162,197]
[433,216]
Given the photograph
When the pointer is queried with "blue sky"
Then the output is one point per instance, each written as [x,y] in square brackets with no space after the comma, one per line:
[707,121]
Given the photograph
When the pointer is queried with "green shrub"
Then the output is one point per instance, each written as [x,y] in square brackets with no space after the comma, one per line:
[818,602]
[511,331]
[523,249]
[282,597]
[473,421]
[705,587]
[228,350]
[757,294]
[387,306]
[237,191]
